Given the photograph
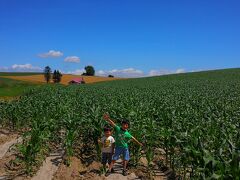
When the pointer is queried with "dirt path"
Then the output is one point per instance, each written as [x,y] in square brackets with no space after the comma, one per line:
[71,172]
[5,147]
[6,136]
[6,154]
[49,167]
[117,175]
[52,163]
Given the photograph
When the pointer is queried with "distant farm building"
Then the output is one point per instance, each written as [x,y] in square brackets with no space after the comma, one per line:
[77,81]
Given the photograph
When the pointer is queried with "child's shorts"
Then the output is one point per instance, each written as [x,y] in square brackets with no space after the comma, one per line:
[106,158]
[121,151]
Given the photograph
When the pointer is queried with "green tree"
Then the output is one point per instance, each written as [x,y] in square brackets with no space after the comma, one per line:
[90,71]
[57,76]
[47,74]
[54,77]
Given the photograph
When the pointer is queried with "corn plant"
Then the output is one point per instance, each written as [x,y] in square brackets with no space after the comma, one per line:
[194,118]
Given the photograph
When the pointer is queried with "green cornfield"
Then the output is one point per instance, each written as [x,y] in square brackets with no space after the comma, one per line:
[192,119]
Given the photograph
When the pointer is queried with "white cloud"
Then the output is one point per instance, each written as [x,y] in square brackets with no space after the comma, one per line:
[73,59]
[128,72]
[180,71]
[159,72]
[131,72]
[51,53]
[114,71]
[199,70]
[165,72]
[21,68]
[101,73]
[76,72]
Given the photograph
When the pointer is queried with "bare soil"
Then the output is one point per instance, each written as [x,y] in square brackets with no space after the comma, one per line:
[54,168]
[71,172]
[49,166]
[4,148]
[6,136]
[77,170]
[7,156]
[5,160]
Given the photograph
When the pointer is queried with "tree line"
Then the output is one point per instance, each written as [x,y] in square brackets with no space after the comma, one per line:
[56,76]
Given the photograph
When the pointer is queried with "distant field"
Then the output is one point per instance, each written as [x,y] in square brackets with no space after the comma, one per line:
[18,73]
[65,79]
[10,87]
[14,84]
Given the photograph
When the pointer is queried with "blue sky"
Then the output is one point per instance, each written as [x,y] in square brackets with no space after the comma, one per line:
[125,37]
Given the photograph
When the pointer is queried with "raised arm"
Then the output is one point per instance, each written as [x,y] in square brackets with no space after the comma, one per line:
[107,118]
[100,143]
[136,141]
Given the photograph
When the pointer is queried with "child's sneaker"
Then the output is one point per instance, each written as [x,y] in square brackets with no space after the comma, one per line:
[108,173]
[125,173]
[112,171]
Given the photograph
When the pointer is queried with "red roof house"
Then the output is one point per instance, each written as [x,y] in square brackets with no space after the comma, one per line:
[77,81]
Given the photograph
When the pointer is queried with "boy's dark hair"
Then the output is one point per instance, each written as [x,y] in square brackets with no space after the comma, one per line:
[107,128]
[125,121]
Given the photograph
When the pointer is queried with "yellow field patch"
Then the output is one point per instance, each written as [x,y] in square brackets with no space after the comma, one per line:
[65,78]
